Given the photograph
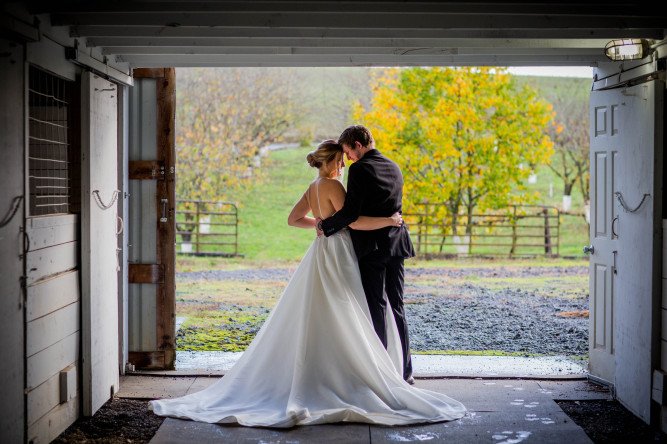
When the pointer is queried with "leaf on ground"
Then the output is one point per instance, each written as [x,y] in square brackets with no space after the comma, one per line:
[573,314]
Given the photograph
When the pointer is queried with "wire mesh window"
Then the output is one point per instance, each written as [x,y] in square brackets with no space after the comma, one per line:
[53,152]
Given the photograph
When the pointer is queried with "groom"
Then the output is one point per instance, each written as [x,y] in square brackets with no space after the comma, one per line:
[375,188]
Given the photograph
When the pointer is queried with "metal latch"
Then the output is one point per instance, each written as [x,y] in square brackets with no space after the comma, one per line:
[164,210]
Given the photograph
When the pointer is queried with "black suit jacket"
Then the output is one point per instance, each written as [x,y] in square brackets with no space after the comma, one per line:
[374,188]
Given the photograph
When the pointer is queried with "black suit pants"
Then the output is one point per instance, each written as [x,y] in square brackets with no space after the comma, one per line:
[382,274]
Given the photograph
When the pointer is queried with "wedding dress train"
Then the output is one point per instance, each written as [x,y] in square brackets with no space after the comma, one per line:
[317,359]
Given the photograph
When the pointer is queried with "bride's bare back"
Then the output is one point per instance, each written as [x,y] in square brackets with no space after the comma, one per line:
[325,196]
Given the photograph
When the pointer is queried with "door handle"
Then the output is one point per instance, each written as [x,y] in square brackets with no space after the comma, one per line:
[164,210]
[590,249]
[613,232]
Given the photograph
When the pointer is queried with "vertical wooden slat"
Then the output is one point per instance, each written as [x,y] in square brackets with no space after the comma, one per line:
[166,252]
[13,90]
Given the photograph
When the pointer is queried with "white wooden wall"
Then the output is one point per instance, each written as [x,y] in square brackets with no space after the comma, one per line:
[11,265]
[53,327]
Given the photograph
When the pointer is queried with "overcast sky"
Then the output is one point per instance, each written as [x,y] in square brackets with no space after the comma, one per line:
[553,71]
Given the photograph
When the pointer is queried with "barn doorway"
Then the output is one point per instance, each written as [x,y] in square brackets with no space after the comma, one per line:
[239,296]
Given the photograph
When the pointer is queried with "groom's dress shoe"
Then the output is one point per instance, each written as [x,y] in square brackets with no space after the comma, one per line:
[410,380]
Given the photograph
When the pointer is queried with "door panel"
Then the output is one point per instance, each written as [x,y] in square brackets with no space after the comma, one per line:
[625,290]
[99,290]
[601,356]
[152,223]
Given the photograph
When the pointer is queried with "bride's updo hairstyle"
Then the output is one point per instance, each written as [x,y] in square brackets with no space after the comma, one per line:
[326,151]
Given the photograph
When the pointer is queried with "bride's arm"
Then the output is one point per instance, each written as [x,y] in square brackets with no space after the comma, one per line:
[298,217]
[375,223]
[366,223]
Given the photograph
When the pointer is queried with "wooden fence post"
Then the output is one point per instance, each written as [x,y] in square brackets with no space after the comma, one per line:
[197,228]
[513,231]
[547,232]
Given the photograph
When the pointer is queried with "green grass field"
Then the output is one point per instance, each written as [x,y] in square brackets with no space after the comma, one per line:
[265,237]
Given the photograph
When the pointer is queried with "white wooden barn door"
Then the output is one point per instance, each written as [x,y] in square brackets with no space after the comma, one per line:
[605,145]
[626,211]
[99,292]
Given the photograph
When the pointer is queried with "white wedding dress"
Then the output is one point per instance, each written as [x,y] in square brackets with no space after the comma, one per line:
[317,359]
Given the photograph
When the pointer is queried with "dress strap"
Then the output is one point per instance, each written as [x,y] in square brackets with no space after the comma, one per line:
[317,192]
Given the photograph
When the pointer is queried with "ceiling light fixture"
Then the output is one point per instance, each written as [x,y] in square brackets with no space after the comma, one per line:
[627,49]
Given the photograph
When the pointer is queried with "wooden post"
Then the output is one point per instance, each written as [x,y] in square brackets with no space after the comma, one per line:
[197,227]
[512,250]
[547,232]
[558,233]
[426,209]
[236,230]
[166,249]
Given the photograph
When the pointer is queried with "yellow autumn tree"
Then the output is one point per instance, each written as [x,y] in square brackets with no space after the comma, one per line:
[464,137]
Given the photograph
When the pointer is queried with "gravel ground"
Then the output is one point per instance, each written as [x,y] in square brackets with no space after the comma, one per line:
[610,422]
[509,320]
[119,421]
[456,309]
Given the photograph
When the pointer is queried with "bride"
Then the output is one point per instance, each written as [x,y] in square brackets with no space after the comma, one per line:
[317,358]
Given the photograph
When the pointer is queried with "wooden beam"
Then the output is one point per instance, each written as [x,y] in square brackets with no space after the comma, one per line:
[378,19]
[362,60]
[147,360]
[357,7]
[400,51]
[146,273]
[249,35]
[146,169]
[130,40]
[166,230]
[148,73]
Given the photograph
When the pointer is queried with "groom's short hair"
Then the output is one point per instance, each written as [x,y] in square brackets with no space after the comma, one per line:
[356,133]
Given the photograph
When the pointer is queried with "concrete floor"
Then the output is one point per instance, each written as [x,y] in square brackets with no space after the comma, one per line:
[500,410]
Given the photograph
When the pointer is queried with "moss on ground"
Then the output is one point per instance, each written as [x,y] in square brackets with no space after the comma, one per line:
[221,330]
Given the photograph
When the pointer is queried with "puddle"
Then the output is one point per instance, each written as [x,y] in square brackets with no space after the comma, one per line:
[423,365]
[412,437]
[510,437]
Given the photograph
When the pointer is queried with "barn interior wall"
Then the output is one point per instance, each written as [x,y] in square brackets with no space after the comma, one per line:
[41,366]
[659,391]
[11,295]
